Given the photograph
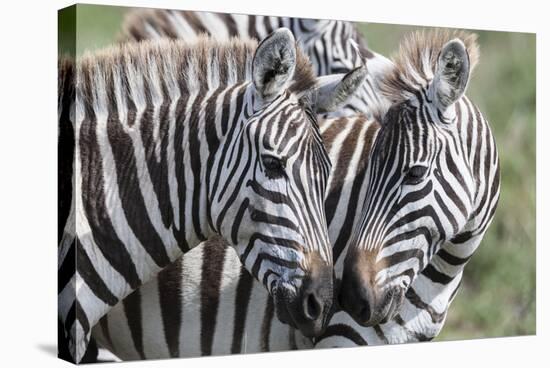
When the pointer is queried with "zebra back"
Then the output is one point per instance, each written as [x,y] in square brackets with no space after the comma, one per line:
[332,46]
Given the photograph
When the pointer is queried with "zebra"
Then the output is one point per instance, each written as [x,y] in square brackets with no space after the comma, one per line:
[173,142]
[326,41]
[332,46]
[207,303]
[433,186]
[232,314]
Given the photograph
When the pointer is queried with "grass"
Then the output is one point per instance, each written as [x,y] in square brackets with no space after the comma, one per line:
[497,297]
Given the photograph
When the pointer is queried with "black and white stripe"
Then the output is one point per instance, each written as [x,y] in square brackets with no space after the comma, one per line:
[207,303]
[332,46]
[433,186]
[243,319]
[175,142]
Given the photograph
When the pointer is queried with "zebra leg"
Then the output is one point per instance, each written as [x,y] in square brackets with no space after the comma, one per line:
[64,350]
[92,353]
[74,327]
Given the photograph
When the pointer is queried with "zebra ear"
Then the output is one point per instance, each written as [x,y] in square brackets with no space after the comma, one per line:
[274,63]
[334,90]
[452,73]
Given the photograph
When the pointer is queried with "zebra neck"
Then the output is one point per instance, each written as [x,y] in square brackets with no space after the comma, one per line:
[479,152]
[348,141]
[153,162]
[210,126]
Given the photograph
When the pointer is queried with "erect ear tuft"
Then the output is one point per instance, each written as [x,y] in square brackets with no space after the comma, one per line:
[334,90]
[452,73]
[274,63]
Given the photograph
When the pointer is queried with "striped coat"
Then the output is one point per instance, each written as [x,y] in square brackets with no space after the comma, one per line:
[206,303]
[236,316]
[332,46]
[173,142]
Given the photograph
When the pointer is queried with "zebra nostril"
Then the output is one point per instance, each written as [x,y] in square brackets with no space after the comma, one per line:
[312,307]
[365,311]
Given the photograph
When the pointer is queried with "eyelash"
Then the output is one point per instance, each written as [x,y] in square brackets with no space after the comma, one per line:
[415,174]
[274,166]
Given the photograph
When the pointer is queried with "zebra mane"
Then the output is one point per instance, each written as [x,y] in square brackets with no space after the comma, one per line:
[204,64]
[65,80]
[416,61]
[145,23]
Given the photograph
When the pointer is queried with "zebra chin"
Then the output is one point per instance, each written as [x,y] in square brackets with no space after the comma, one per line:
[309,307]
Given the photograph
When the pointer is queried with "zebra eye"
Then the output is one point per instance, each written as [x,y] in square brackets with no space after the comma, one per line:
[274,166]
[415,174]
[340,70]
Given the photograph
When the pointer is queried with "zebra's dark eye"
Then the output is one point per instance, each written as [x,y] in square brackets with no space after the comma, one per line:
[415,174]
[274,166]
[340,70]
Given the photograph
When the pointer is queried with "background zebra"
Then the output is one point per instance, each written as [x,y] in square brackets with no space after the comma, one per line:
[233,314]
[332,46]
[175,142]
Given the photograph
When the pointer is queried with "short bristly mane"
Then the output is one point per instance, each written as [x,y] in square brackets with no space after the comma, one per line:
[204,63]
[416,61]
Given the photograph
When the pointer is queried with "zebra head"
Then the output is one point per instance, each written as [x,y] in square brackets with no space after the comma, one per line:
[422,181]
[269,203]
[338,47]
[331,45]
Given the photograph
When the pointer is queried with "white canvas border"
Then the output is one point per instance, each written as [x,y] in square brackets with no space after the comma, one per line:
[28,195]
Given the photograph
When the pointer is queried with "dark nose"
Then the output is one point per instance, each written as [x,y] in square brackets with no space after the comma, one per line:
[356,297]
[367,303]
[362,307]
[315,303]
[317,295]
[311,307]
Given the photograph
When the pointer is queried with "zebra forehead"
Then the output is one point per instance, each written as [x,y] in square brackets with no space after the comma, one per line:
[211,62]
[416,60]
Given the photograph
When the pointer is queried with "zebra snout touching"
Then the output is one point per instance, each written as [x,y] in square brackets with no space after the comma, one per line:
[309,306]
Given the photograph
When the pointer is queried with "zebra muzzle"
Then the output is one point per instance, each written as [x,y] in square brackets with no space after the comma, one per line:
[308,307]
[369,305]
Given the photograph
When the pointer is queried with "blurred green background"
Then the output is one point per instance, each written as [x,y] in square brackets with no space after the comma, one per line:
[497,297]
